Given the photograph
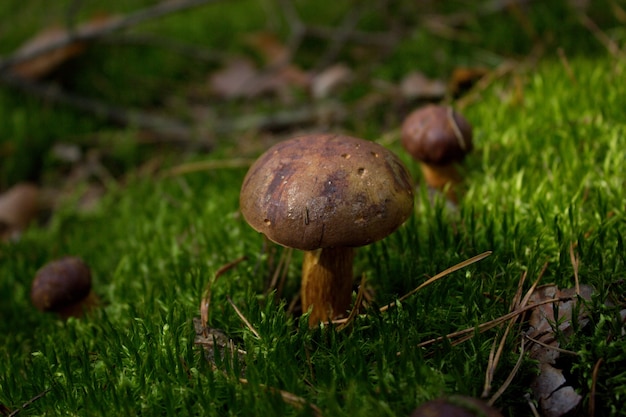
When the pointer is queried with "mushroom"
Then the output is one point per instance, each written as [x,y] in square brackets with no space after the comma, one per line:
[455,406]
[439,138]
[326,194]
[63,286]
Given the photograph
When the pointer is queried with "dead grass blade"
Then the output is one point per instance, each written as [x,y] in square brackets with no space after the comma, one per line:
[440,275]
[205,303]
[547,346]
[517,303]
[426,283]
[575,262]
[357,304]
[243,318]
[280,273]
[509,379]
[211,165]
[594,380]
[289,398]
[466,334]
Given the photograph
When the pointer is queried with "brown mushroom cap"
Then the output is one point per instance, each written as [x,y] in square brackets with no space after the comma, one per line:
[456,406]
[437,135]
[60,283]
[326,190]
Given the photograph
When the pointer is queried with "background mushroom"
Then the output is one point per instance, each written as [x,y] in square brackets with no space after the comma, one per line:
[439,138]
[63,286]
[326,194]
[455,406]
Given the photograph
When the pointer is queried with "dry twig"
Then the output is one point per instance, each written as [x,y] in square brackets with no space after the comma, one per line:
[149,13]
[28,403]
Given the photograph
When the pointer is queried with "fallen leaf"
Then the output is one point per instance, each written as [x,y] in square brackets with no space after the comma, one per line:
[463,79]
[416,85]
[542,319]
[240,78]
[42,64]
[555,398]
[230,81]
[330,80]
[18,207]
[269,47]
[550,388]
[54,46]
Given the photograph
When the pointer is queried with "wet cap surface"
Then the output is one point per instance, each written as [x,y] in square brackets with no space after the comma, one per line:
[318,191]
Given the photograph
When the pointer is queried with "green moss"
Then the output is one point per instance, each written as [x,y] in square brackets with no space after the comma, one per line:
[547,175]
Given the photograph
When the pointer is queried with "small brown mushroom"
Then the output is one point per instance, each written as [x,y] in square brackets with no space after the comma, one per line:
[455,406]
[326,194]
[439,138]
[63,286]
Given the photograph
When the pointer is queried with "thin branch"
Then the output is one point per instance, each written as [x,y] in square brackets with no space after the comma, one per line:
[165,126]
[210,165]
[29,402]
[602,37]
[149,13]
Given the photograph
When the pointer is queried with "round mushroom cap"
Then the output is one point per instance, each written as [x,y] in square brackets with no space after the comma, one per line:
[326,190]
[437,135]
[455,406]
[60,283]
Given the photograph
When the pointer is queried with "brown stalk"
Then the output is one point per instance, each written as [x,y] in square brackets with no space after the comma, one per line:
[326,283]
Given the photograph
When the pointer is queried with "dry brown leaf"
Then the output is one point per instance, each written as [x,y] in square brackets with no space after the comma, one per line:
[555,398]
[269,47]
[41,65]
[416,85]
[550,388]
[240,78]
[230,82]
[56,46]
[542,319]
[18,207]
[463,79]
[330,80]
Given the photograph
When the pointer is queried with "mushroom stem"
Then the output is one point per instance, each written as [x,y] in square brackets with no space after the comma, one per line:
[440,176]
[327,283]
[79,308]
